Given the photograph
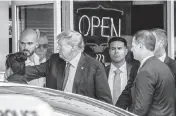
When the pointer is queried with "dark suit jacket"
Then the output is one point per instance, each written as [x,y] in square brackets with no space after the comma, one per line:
[172,65]
[153,91]
[125,99]
[90,78]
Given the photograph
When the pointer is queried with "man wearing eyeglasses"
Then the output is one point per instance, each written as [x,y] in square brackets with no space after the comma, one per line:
[42,49]
[28,43]
[71,70]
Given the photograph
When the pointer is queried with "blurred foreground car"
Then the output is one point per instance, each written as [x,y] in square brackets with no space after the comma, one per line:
[67,104]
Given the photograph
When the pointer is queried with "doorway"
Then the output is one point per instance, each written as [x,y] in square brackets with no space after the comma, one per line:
[147,17]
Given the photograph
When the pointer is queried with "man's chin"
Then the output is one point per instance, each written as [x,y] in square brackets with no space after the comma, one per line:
[28,54]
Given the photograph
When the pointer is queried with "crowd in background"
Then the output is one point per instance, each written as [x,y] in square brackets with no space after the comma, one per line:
[140,80]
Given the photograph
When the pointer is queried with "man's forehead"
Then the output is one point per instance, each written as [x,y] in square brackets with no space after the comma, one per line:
[61,40]
[117,44]
[28,36]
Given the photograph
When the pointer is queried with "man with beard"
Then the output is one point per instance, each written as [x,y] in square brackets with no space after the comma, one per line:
[71,70]
[118,71]
[27,44]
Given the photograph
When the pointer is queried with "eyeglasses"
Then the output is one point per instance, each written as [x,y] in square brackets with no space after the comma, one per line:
[42,45]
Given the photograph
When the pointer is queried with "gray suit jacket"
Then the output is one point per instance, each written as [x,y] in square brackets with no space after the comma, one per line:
[153,90]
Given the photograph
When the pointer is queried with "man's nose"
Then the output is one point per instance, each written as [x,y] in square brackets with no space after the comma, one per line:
[58,48]
[41,47]
[26,46]
[116,50]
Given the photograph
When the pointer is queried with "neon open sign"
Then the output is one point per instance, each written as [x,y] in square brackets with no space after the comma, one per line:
[96,18]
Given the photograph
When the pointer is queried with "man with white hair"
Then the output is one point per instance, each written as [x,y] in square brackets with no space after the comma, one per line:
[73,71]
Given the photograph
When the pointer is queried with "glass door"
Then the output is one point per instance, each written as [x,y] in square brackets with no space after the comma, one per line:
[42,15]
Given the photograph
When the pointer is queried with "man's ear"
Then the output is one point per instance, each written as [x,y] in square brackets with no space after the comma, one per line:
[141,46]
[126,51]
[161,43]
[37,44]
[74,47]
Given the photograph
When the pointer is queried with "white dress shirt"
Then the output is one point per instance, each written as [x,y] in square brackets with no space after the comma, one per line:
[142,62]
[31,62]
[123,77]
[72,72]
[162,58]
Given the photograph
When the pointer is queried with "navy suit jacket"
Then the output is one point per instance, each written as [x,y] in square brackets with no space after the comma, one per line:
[90,78]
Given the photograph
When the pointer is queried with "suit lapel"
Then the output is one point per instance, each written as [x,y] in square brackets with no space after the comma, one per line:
[61,66]
[107,69]
[79,73]
[167,60]
[128,66]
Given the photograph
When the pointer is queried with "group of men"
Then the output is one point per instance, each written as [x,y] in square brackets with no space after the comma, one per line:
[35,44]
[145,87]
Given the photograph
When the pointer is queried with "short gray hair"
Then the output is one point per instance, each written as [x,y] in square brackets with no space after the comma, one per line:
[72,37]
[146,38]
[160,34]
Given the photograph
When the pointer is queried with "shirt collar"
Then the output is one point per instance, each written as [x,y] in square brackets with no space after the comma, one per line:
[33,59]
[43,60]
[142,62]
[162,58]
[74,61]
[122,68]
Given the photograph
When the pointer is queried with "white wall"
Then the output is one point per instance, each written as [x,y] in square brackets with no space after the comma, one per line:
[4,32]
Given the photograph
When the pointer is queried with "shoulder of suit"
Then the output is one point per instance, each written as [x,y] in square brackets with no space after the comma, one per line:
[91,61]
[55,57]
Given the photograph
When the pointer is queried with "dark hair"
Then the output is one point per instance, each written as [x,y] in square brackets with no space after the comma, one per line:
[117,39]
[16,62]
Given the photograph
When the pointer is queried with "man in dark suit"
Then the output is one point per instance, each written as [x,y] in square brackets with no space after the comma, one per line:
[125,100]
[160,50]
[153,90]
[117,52]
[72,70]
